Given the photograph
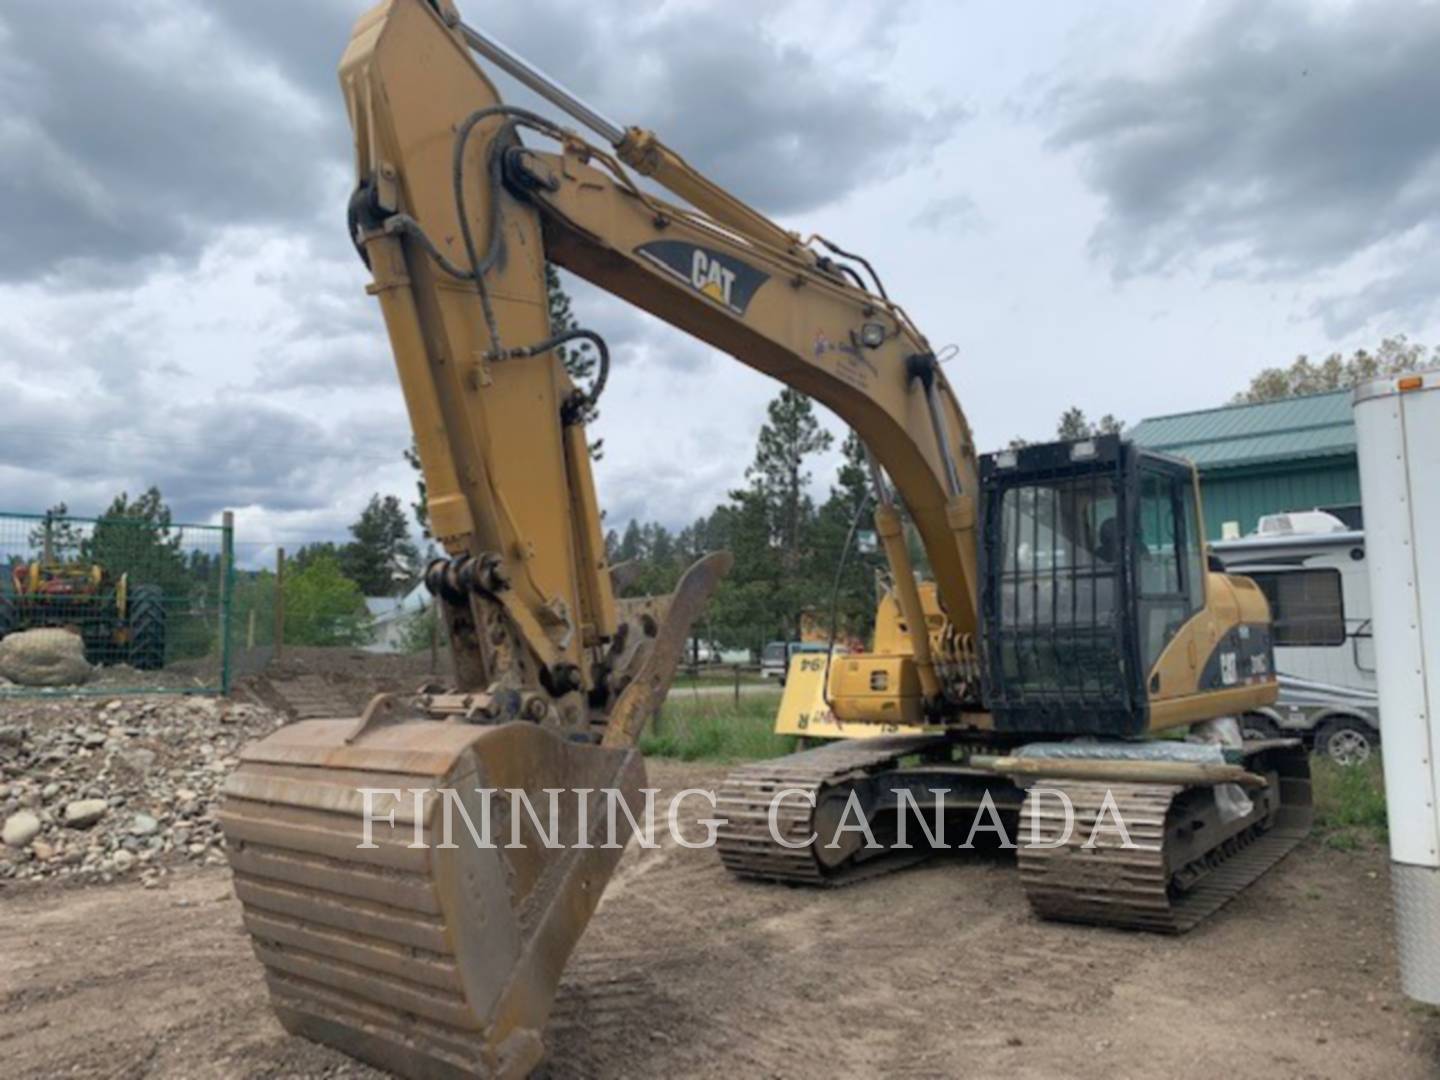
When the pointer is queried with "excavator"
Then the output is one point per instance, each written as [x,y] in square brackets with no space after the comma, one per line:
[1070,626]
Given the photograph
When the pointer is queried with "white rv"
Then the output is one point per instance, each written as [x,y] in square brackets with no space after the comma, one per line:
[1312,569]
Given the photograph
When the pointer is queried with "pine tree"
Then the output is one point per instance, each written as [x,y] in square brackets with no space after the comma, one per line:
[771,531]
[421,505]
[579,360]
[381,553]
[854,603]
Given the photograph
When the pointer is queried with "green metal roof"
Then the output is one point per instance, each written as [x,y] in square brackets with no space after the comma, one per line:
[1232,436]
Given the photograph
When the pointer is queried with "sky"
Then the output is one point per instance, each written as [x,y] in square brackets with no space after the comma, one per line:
[1126,206]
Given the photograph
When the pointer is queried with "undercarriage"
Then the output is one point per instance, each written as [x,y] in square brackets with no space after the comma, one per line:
[1146,856]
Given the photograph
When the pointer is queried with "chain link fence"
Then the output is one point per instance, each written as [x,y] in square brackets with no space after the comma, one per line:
[147,605]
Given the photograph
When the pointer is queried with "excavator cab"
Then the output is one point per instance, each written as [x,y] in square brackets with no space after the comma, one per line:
[1093,563]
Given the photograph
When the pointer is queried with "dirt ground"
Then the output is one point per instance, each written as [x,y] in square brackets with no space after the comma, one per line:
[936,971]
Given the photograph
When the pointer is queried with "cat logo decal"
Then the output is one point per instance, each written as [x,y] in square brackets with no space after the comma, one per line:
[720,277]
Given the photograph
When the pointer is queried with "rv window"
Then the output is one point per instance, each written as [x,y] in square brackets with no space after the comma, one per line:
[1306,606]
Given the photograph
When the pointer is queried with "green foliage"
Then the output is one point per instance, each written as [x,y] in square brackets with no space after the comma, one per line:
[1074,424]
[381,555]
[1349,802]
[786,550]
[323,606]
[134,536]
[254,595]
[714,728]
[419,630]
[57,535]
[421,506]
[849,501]
[1393,356]
[137,538]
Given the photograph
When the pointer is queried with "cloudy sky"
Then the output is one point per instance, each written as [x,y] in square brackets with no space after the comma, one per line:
[1126,206]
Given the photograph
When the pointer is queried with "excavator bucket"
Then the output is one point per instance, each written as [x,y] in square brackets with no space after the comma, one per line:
[394,918]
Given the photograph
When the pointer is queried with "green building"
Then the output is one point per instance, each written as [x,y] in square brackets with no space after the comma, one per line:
[1267,458]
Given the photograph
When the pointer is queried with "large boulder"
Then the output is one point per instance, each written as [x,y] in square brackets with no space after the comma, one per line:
[20,829]
[44,657]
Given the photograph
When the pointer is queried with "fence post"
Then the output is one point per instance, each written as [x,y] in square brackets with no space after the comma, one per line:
[279,603]
[227,581]
[737,685]
[250,631]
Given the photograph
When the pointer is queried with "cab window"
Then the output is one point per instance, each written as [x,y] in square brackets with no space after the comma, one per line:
[1167,559]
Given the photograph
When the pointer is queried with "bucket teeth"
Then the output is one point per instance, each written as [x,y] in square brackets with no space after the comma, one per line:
[427,960]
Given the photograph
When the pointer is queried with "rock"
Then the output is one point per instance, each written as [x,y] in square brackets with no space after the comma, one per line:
[143,825]
[44,657]
[49,791]
[20,829]
[138,760]
[92,739]
[82,813]
[123,861]
[43,851]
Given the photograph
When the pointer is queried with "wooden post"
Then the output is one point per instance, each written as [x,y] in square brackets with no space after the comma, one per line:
[737,686]
[250,631]
[227,572]
[279,603]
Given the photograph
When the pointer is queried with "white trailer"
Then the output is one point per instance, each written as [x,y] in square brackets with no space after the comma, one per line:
[1397,422]
[1311,568]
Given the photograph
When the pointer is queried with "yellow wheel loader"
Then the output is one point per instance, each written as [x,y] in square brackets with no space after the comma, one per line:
[1070,599]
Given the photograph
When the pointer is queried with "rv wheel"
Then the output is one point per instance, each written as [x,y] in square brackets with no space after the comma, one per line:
[1346,742]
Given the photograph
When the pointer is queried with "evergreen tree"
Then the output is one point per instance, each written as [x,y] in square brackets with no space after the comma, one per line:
[135,537]
[580,360]
[382,553]
[849,501]
[421,506]
[771,531]
[56,538]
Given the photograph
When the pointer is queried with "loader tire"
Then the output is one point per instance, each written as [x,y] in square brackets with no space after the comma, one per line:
[147,628]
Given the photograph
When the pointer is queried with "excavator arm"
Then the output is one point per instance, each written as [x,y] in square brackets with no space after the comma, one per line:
[378,932]
[445,184]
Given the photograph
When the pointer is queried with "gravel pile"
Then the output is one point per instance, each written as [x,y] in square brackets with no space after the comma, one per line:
[94,789]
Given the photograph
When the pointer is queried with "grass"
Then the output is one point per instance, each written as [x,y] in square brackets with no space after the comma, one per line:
[1349,804]
[724,676]
[716,729]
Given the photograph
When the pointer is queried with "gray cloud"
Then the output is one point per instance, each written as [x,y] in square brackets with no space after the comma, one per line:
[766,119]
[204,456]
[135,133]
[132,134]
[1280,138]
